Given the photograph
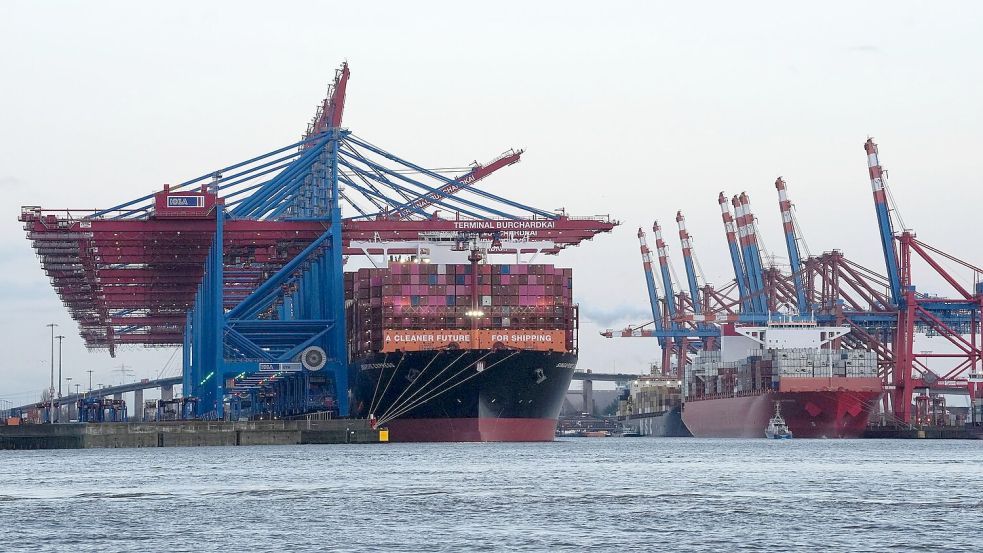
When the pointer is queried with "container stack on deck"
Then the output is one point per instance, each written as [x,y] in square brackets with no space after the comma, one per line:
[419,296]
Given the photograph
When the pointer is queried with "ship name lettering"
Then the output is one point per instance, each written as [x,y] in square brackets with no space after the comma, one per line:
[406,338]
[367,366]
[522,337]
[504,225]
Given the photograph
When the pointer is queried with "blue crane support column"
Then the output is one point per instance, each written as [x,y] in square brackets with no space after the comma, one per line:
[652,288]
[192,371]
[792,243]
[877,176]
[307,292]
[186,354]
[687,244]
[217,309]
[740,275]
[337,342]
[203,355]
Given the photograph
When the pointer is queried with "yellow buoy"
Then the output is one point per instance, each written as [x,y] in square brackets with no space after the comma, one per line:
[383,434]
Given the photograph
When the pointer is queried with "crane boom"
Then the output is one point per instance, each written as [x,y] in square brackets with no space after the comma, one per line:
[740,273]
[660,246]
[474,175]
[687,244]
[653,289]
[330,111]
[792,243]
[750,251]
[877,184]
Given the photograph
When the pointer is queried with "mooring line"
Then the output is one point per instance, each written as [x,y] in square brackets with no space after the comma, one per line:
[421,401]
[412,382]
[396,370]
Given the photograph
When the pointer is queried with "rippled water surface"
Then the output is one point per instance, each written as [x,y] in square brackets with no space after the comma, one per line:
[601,494]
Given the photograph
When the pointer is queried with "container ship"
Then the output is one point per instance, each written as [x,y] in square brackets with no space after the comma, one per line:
[821,391]
[652,406]
[461,352]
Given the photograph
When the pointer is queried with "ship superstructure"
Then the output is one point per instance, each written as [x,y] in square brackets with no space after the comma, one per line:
[651,406]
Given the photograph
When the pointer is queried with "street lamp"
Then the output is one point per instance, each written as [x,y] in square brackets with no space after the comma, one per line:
[69,380]
[90,379]
[60,338]
[51,386]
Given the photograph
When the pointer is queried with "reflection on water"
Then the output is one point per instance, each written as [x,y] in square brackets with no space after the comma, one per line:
[604,494]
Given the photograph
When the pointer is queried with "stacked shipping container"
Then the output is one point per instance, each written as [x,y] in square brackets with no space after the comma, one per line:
[709,375]
[458,300]
[651,395]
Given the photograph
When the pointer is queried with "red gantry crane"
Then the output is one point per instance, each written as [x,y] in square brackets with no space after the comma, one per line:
[887,313]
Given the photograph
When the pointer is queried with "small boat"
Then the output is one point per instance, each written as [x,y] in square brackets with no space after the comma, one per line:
[777,429]
[630,432]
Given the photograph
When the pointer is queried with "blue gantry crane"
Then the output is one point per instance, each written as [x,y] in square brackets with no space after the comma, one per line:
[243,266]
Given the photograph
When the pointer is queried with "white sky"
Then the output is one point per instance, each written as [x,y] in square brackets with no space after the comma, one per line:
[631,108]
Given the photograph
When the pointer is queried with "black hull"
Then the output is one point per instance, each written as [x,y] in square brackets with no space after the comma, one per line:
[516,394]
[666,424]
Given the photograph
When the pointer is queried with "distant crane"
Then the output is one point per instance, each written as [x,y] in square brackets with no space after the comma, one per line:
[792,242]
[885,312]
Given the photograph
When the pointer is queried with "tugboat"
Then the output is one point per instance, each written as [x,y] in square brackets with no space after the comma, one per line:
[777,429]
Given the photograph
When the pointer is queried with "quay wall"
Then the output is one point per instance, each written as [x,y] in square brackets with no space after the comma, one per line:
[185,434]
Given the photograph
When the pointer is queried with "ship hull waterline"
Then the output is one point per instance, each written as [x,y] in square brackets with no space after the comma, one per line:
[464,395]
[665,424]
[809,414]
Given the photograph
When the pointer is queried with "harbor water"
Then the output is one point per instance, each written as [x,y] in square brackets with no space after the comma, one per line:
[600,494]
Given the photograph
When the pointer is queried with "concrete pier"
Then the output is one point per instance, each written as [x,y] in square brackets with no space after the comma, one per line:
[186,433]
[588,397]
[965,432]
[137,412]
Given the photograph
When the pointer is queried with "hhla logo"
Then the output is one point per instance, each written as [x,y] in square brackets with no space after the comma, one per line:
[185,201]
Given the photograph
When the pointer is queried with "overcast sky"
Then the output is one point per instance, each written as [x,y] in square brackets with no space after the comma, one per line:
[635,109]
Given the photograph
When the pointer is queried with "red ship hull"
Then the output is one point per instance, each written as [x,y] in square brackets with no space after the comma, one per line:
[809,413]
[472,430]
